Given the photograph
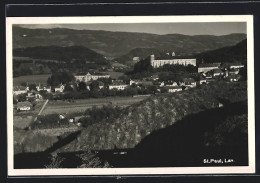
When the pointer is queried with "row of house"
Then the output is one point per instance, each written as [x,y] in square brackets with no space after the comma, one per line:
[88,77]
[229,71]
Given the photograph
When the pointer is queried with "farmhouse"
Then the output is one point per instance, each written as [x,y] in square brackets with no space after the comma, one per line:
[100,84]
[217,72]
[24,106]
[136,59]
[233,65]
[159,63]
[208,67]
[233,78]
[20,90]
[59,88]
[172,89]
[88,77]
[188,82]
[117,85]
[141,82]
[134,82]
[171,83]
[43,88]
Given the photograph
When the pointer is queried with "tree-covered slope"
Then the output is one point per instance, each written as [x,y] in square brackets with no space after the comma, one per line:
[60,53]
[236,53]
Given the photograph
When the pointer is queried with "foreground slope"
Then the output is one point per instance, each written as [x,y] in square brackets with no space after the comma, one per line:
[179,129]
[157,112]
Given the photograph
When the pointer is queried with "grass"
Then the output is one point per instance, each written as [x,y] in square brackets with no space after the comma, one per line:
[147,117]
[83,104]
[31,79]
[21,122]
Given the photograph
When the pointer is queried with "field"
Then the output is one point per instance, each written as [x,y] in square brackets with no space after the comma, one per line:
[82,105]
[115,75]
[31,79]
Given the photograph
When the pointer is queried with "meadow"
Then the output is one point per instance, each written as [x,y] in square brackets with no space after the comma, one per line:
[83,104]
[31,79]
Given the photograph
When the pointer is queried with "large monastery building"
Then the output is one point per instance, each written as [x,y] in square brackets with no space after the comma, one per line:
[88,77]
[159,63]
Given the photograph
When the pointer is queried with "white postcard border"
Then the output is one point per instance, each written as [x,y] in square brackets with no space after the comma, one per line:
[133,19]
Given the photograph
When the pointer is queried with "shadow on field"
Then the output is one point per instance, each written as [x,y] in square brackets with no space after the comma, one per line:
[191,140]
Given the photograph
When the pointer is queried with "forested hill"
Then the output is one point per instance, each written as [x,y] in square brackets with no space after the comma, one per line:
[116,44]
[237,53]
[60,53]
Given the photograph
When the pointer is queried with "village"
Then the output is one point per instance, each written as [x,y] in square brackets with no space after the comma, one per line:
[207,72]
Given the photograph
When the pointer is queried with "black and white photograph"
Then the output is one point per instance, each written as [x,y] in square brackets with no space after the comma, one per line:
[130,95]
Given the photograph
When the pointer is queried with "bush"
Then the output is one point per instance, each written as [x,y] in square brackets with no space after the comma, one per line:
[90,160]
[55,162]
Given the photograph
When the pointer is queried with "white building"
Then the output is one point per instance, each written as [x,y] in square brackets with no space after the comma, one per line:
[20,90]
[117,85]
[60,88]
[159,63]
[236,66]
[208,67]
[24,106]
[43,88]
[173,89]
[188,82]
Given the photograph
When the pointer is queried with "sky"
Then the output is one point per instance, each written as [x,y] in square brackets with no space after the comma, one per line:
[212,28]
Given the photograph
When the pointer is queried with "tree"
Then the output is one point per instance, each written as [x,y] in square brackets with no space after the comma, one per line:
[143,65]
[21,97]
[94,85]
[60,77]
[55,162]
[82,86]
[164,90]
[68,88]
[24,84]
[152,89]
[32,87]
[106,81]
[124,78]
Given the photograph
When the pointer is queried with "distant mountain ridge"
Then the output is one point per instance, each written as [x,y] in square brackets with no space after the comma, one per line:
[116,44]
